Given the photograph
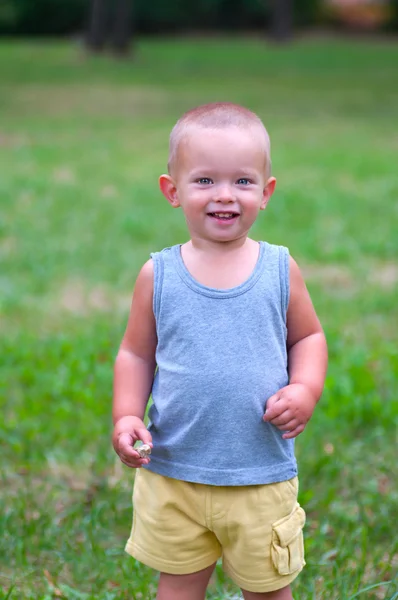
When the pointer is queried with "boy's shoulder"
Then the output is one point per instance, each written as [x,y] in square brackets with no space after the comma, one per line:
[275,253]
[162,259]
[164,251]
[275,247]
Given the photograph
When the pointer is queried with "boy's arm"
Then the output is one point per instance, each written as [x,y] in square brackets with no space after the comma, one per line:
[134,371]
[291,407]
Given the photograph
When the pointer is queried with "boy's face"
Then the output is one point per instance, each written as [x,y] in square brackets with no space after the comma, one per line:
[220,182]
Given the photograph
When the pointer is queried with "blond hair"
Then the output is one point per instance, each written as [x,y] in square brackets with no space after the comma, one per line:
[217,115]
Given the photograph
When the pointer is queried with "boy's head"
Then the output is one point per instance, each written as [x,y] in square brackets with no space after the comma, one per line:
[213,117]
[219,170]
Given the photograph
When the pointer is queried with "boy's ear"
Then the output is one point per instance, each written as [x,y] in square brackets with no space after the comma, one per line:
[169,190]
[268,191]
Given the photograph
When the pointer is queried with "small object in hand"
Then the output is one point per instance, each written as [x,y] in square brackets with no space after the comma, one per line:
[144,450]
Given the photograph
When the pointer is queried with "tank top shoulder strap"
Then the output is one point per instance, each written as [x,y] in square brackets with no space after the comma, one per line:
[276,272]
[162,263]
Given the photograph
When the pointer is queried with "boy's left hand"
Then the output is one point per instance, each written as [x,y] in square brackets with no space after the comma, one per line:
[290,409]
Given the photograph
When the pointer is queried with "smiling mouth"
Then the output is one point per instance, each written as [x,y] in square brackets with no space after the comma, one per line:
[225,216]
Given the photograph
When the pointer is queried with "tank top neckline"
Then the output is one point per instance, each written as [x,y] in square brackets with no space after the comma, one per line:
[211,292]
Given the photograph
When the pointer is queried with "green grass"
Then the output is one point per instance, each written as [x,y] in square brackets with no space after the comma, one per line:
[82,142]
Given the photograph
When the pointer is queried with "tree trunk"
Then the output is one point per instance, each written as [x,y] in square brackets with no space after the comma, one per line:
[122,26]
[98,24]
[282,20]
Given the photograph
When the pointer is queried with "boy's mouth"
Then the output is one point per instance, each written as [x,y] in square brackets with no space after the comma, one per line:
[224,216]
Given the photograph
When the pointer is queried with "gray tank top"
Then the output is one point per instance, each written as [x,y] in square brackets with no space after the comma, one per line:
[220,355]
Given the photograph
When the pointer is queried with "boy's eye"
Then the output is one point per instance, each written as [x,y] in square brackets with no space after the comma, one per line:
[243,181]
[204,180]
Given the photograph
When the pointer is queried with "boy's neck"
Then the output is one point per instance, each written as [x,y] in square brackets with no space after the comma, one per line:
[221,265]
[200,246]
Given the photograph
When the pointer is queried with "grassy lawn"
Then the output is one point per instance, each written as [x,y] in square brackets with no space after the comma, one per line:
[82,142]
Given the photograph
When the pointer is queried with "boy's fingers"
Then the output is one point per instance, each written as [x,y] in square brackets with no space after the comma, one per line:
[144,435]
[125,445]
[125,440]
[269,407]
[274,407]
[292,434]
[272,399]
[289,425]
[281,419]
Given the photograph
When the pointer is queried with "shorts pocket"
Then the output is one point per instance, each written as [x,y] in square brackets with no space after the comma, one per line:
[287,542]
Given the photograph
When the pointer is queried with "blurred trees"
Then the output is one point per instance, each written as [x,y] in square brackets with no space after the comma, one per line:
[60,17]
[42,17]
[282,20]
[122,26]
[110,23]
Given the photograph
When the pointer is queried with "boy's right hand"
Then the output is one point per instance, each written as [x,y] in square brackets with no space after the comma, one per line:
[127,431]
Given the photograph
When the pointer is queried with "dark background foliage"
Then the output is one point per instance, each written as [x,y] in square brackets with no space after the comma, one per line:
[66,17]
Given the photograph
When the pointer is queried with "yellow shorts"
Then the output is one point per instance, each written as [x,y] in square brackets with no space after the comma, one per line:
[181,527]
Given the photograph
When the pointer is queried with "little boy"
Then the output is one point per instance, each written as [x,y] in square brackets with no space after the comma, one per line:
[223,334]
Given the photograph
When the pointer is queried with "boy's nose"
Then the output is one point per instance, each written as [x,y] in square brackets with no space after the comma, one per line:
[224,194]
